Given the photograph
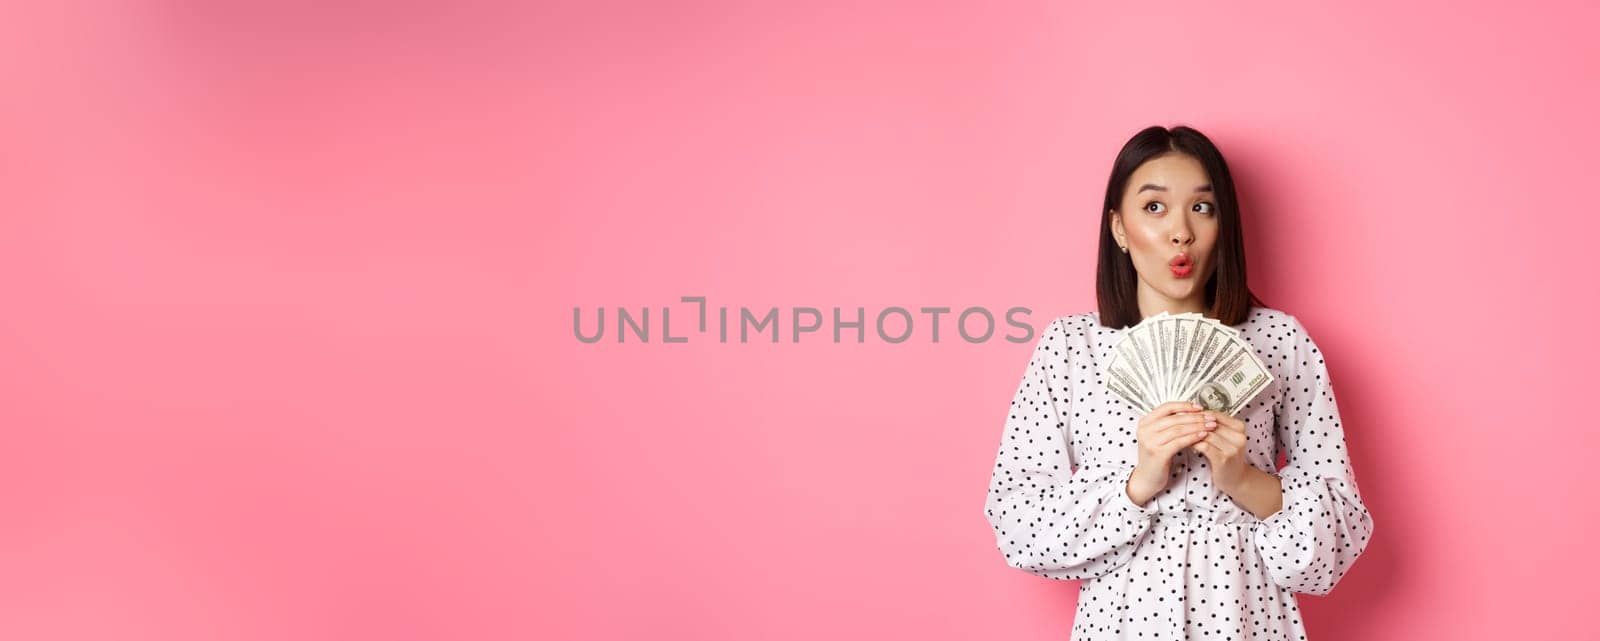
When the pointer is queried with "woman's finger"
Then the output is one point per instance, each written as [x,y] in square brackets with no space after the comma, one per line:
[1170,408]
[1237,423]
[1226,441]
[1226,423]
[1181,439]
[1234,439]
[1177,421]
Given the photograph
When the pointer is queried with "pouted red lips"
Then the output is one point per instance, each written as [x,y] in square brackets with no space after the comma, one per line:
[1180,265]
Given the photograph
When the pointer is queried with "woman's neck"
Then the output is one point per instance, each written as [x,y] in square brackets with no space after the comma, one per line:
[1152,304]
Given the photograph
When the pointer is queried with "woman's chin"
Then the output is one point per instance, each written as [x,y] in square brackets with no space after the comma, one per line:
[1180,292]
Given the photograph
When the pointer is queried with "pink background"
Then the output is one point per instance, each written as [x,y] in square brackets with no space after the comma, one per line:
[288,291]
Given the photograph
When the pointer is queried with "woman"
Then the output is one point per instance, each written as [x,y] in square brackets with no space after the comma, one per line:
[1177,522]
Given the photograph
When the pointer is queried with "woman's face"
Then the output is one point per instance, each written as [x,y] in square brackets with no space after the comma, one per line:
[1168,209]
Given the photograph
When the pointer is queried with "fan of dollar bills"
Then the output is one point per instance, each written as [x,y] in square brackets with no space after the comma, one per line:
[1185,357]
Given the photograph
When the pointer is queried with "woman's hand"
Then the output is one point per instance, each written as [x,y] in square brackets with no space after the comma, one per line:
[1224,448]
[1168,428]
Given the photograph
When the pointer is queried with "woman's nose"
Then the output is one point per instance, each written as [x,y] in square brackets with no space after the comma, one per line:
[1181,234]
[1182,237]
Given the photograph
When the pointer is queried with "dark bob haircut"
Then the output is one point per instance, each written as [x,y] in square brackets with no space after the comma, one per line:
[1228,298]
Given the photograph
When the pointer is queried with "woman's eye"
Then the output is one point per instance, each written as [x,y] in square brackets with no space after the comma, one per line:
[1205,208]
[1154,207]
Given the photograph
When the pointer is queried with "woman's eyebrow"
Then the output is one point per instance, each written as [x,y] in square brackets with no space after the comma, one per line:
[1142,188]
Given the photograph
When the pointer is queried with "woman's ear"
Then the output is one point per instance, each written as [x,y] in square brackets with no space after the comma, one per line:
[1116,225]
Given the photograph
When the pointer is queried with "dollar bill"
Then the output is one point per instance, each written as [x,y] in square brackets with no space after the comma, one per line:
[1185,357]
[1233,384]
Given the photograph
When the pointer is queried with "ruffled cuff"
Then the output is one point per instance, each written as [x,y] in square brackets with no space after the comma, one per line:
[1311,542]
[1293,492]
[1300,488]
[1120,499]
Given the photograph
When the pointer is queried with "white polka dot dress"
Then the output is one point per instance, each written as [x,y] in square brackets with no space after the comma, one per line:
[1191,563]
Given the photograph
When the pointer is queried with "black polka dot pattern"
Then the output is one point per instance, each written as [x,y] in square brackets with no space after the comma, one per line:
[1190,563]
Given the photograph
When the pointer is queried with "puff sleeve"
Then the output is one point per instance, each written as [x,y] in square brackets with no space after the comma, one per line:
[1323,526]
[1050,516]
